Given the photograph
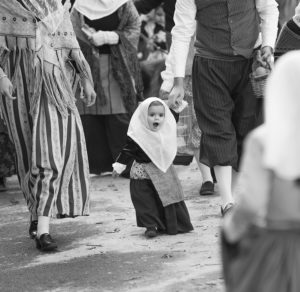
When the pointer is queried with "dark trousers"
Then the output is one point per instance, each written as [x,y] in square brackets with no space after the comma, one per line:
[225,108]
[105,137]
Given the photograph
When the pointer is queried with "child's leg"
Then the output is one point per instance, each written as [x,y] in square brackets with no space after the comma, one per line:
[148,207]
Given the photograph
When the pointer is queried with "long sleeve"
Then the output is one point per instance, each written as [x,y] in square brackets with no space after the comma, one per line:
[182,32]
[168,76]
[269,14]
[128,152]
[145,6]
[132,27]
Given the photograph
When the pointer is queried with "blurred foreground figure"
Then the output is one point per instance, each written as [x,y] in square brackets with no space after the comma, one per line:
[108,33]
[261,235]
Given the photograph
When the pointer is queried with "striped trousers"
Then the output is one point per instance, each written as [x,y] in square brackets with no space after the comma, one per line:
[52,163]
[225,107]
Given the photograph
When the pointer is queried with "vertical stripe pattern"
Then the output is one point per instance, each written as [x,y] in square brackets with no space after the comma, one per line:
[225,108]
[52,161]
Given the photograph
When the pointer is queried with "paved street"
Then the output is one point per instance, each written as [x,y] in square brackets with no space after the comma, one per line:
[106,251]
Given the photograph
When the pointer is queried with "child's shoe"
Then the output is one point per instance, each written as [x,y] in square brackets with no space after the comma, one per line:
[151,232]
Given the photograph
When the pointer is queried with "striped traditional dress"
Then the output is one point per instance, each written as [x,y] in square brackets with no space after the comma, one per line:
[43,121]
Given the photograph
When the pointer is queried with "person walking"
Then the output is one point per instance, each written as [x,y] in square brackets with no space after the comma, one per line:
[108,34]
[40,60]
[155,189]
[227,34]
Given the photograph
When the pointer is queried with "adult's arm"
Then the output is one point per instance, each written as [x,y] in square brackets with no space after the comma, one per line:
[145,6]
[184,29]
[268,13]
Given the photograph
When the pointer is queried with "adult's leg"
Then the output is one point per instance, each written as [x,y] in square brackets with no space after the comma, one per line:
[214,106]
[116,131]
[97,143]
[244,116]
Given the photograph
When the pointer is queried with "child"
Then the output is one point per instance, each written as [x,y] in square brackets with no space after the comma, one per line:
[261,234]
[155,189]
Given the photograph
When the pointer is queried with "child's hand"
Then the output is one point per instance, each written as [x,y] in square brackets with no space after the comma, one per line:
[118,168]
[114,174]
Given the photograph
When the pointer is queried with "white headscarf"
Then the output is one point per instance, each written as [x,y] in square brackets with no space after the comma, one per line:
[95,9]
[282,118]
[160,146]
[51,13]
[296,17]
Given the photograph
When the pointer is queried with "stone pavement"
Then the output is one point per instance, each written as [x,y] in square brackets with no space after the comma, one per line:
[106,251]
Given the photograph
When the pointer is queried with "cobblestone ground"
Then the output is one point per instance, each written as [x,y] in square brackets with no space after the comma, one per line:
[106,251]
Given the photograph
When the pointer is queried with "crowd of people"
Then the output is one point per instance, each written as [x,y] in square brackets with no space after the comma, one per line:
[74,85]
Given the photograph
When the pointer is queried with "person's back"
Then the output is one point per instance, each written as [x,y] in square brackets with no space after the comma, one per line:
[261,235]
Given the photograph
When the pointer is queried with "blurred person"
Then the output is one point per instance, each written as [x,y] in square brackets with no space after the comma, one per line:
[145,6]
[152,44]
[289,36]
[260,238]
[286,10]
[40,58]
[108,34]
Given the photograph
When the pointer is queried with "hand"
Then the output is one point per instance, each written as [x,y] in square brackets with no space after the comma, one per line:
[115,174]
[163,94]
[118,168]
[267,57]
[89,94]
[236,223]
[98,38]
[177,93]
[6,88]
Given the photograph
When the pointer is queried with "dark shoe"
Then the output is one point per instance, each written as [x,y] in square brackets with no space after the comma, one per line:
[45,243]
[228,207]
[33,229]
[207,189]
[151,232]
[3,186]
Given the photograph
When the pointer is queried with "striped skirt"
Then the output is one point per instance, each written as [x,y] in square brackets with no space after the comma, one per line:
[52,162]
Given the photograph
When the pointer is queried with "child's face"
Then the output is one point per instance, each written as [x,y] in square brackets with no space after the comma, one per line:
[156,116]
[160,16]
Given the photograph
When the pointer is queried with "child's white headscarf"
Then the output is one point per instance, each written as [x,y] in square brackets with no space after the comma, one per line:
[95,9]
[282,118]
[160,146]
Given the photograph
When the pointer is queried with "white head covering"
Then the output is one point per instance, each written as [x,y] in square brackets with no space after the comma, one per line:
[296,17]
[161,145]
[51,13]
[95,9]
[282,118]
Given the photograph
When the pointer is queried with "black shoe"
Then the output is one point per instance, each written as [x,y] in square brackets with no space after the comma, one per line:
[33,229]
[151,232]
[45,242]
[207,189]
[3,186]
[228,207]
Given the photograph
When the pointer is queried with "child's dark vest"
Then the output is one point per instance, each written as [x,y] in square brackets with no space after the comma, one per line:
[226,28]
